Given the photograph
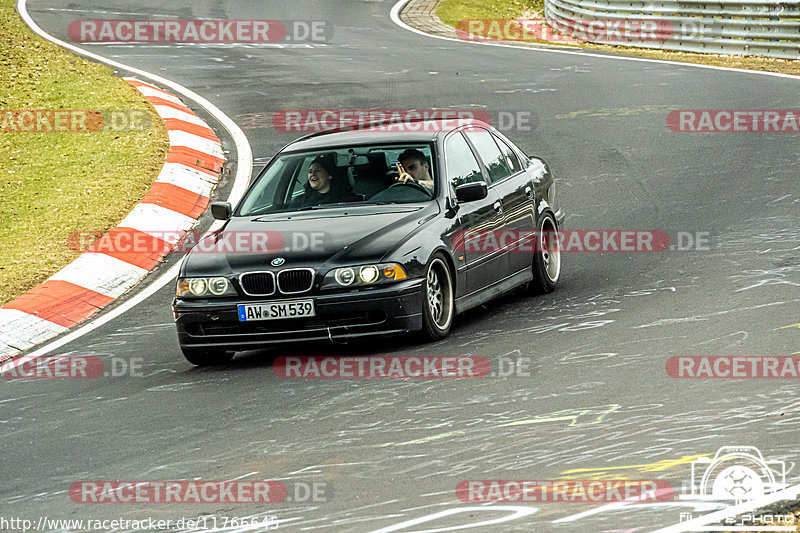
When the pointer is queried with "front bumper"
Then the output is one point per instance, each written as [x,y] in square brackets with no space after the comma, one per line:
[394,309]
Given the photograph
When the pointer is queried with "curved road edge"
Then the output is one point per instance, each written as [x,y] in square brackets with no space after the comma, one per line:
[104,272]
[20,330]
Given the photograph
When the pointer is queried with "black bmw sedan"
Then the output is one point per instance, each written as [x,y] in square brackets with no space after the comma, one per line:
[377,231]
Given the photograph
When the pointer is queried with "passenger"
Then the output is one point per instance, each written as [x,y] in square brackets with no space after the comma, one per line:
[414,167]
[323,187]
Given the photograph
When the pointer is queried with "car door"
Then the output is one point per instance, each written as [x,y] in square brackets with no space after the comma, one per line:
[485,263]
[512,185]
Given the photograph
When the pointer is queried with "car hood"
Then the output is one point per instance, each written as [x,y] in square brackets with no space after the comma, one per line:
[334,236]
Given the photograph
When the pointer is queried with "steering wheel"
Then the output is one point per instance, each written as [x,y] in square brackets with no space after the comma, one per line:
[412,184]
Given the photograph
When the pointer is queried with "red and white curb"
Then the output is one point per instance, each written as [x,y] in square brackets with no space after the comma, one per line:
[179,196]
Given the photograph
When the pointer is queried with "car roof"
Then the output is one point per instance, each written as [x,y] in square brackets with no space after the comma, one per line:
[385,132]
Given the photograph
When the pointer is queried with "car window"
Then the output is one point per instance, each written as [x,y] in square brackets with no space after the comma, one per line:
[462,167]
[490,153]
[266,195]
[352,174]
[299,180]
[508,152]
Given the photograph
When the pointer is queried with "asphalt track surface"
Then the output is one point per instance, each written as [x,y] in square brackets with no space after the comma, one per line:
[391,451]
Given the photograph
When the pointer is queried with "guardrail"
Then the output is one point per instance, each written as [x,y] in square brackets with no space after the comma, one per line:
[746,27]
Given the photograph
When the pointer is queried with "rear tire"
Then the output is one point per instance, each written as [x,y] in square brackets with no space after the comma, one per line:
[438,305]
[207,356]
[546,257]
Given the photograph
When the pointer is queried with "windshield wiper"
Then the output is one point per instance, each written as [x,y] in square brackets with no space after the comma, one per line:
[288,211]
[338,204]
[355,203]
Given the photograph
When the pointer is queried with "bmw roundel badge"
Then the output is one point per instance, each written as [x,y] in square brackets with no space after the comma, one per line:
[278,261]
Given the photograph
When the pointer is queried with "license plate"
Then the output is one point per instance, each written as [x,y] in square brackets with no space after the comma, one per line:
[276,310]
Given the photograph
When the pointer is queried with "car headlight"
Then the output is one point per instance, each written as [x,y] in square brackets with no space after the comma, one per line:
[344,276]
[368,274]
[198,286]
[218,286]
[363,276]
[204,287]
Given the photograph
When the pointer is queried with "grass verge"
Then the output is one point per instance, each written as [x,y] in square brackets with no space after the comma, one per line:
[453,11]
[52,184]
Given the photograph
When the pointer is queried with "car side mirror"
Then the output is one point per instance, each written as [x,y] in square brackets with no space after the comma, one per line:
[470,192]
[221,210]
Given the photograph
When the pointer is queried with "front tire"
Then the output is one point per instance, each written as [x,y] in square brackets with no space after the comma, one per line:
[546,257]
[438,305]
[206,356]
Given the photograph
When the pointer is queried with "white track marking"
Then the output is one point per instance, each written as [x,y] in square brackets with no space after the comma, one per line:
[152,91]
[33,327]
[517,511]
[166,111]
[190,140]
[101,273]
[186,178]
[160,222]
[148,291]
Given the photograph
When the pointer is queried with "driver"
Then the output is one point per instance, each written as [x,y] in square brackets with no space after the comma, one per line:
[414,166]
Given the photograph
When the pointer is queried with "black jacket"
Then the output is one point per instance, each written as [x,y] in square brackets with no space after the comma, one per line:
[333,196]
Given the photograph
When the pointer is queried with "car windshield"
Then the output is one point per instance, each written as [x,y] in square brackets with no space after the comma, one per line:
[357,175]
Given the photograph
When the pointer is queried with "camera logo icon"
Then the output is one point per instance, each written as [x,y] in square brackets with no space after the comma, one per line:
[737,473]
